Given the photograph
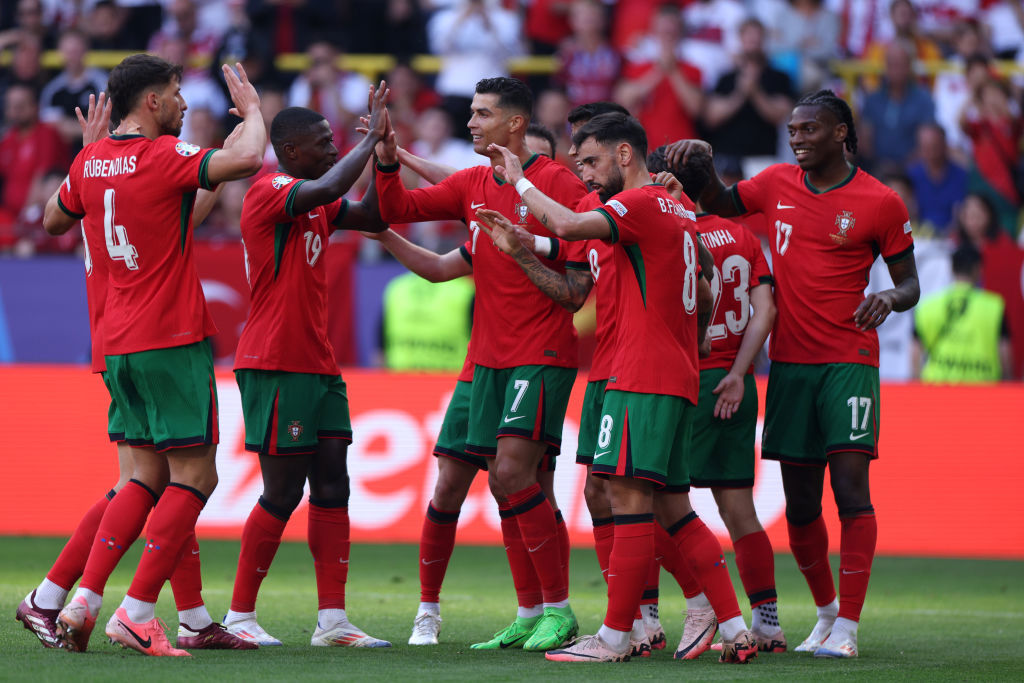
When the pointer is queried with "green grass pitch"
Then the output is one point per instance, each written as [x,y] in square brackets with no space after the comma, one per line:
[925,620]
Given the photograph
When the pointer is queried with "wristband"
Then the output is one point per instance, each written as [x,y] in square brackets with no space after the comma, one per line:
[522,185]
[542,245]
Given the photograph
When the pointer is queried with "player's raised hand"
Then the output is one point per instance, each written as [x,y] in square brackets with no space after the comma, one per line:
[730,395]
[526,237]
[671,183]
[501,231]
[681,152]
[243,93]
[236,133]
[96,123]
[873,311]
[379,122]
[510,169]
[387,149]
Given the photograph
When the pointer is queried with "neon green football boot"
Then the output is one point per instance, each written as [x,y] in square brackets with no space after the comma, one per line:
[557,625]
[512,636]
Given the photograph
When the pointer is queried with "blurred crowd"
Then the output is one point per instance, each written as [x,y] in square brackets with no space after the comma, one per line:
[936,86]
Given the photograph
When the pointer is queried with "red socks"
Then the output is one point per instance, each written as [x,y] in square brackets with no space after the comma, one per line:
[437,541]
[174,520]
[628,567]
[261,537]
[562,534]
[120,525]
[604,539]
[524,577]
[650,594]
[856,551]
[667,554]
[71,561]
[536,519]
[187,579]
[701,549]
[809,543]
[756,563]
[329,543]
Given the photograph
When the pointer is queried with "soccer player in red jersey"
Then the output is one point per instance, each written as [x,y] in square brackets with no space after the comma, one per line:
[722,453]
[293,397]
[831,221]
[523,346]
[38,611]
[644,427]
[134,192]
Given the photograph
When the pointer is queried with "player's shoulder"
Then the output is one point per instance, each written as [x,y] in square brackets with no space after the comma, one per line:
[780,172]
[873,188]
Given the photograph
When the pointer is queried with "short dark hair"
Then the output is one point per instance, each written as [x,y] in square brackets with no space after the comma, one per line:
[585,112]
[839,108]
[290,123]
[132,77]
[614,128]
[541,131]
[512,93]
[694,175]
[965,260]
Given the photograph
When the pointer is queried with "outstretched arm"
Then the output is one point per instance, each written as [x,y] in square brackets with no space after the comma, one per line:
[245,158]
[730,388]
[431,171]
[427,264]
[716,197]
[569,289]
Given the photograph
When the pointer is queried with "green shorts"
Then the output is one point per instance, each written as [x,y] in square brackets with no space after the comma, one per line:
[115,424]
[167,398]
[645,436]
[287,413]
[812,411]
[527,401]
[451,442]
[721,452]
[590,421]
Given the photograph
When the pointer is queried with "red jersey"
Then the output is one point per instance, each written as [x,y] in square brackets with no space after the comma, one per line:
[739,266]
[96,299]
[599,259]
[823,244]
[514,323]
[655,295]
[135,195]
[284,263]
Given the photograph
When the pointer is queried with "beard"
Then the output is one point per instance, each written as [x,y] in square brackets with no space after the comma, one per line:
[612,187]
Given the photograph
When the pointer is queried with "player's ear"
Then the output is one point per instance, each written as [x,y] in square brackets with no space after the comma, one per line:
[840,132]
[516,122]
[624,153]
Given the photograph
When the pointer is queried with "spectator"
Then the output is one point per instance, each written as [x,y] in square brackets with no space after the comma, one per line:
[109,29]
[30,18]
[960,333]
[588,65]
[474,38]
[993,124]
[904,19]
[32,239]
[659,86]
[292,26]
[938,18]
[953,87]
[892,114]
[27,151]
[409,98]
[71,88]
[339,95]
[939,184]
[805,38]
[551,111]
[748,105]
[426,325]
[1004,21]
[200,41]
[547,24]
[394,27]
[712,36]
[26,66]
[861,21]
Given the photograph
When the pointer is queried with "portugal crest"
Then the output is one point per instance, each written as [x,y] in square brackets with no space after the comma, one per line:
[295,429]
[845,222]
[522,210]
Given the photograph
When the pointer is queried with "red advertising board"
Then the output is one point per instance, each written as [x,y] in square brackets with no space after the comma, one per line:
[947,483]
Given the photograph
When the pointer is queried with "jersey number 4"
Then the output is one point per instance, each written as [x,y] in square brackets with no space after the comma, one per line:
[118,246]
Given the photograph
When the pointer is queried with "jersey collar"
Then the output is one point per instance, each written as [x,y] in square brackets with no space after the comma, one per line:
[844,181]
[130,136]
[533,157]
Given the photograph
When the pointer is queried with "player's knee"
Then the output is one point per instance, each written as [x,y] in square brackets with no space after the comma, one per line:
[449,493]
[851,500]
[335,491]
[284,496]
[594,493]
[801,514]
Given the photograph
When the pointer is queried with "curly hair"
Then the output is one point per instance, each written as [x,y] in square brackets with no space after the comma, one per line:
[839,108]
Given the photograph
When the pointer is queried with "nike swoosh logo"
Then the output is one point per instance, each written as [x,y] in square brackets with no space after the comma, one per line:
[144,643]
[313,215]
[598,455]
[856,571]
[780,205]
[195,552]
[431,562]
[261,570]
[805,568]
[503,644]
[513,419]
[342,561]
[532,550]
[854,437]
[696,640]
[474,205]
